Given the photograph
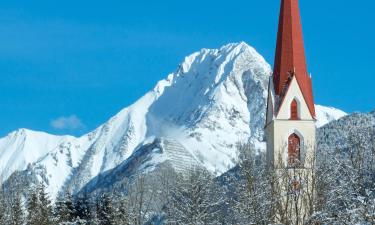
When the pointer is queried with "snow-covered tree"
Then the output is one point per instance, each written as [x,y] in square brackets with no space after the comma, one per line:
[122,214]
[82,208]
[39,207]
[193,200]
[345,174]
[45,206]
[253,190]
[17,214]
[64,210]
[2,206]
[140,197]
[106,212]
[33,210]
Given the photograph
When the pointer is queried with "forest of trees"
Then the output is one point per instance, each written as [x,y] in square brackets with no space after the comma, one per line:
[344,183]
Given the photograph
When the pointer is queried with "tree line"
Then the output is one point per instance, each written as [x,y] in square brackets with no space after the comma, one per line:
[343,181]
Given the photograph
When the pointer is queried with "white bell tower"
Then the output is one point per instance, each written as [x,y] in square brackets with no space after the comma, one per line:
[290,123]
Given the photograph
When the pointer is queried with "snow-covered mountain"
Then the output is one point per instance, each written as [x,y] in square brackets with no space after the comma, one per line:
[215,99]
[325,115]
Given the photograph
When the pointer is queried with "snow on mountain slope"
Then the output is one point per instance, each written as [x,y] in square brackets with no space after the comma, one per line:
[218,98]
[215,99]
[327,114]
[23,147]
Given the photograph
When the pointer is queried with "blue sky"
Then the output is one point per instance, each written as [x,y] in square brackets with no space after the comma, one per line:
[67,66]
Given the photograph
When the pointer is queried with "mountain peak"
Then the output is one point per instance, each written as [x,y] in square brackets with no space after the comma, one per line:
[215,99]
[236,45]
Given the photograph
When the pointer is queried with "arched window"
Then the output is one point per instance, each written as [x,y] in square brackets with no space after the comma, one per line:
[294,110]
[294,143]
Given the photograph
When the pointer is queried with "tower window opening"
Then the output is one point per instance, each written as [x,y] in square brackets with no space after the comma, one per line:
[294,144]
[294,110]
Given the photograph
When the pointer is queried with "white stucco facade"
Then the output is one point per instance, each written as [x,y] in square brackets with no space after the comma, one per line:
[279,126]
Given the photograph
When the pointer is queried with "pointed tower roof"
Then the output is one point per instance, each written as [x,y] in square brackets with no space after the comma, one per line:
[290,57]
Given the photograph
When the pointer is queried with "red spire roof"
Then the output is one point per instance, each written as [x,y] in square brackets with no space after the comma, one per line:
[290,54]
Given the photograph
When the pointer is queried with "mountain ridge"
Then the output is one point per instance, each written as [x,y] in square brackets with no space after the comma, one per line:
[215,99]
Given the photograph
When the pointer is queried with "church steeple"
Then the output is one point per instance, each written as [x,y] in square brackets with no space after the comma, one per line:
[290,123]
[290,57]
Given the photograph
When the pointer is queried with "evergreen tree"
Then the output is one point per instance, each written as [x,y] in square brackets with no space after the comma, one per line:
[45,207]
[64,209]
[105,210]
[122,214]
[33,208]
[82,209]
[39,207]
[17,217]
[2,207]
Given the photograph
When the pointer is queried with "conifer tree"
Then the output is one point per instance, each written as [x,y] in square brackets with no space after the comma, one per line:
[17,215]
[59,211]
[45,207]
[64,209]
[39,207]
[2,207]
[122,214]
[82,209]
[105,210]
[33,208]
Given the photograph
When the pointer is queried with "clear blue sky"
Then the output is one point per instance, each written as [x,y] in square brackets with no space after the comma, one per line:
[77,63]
